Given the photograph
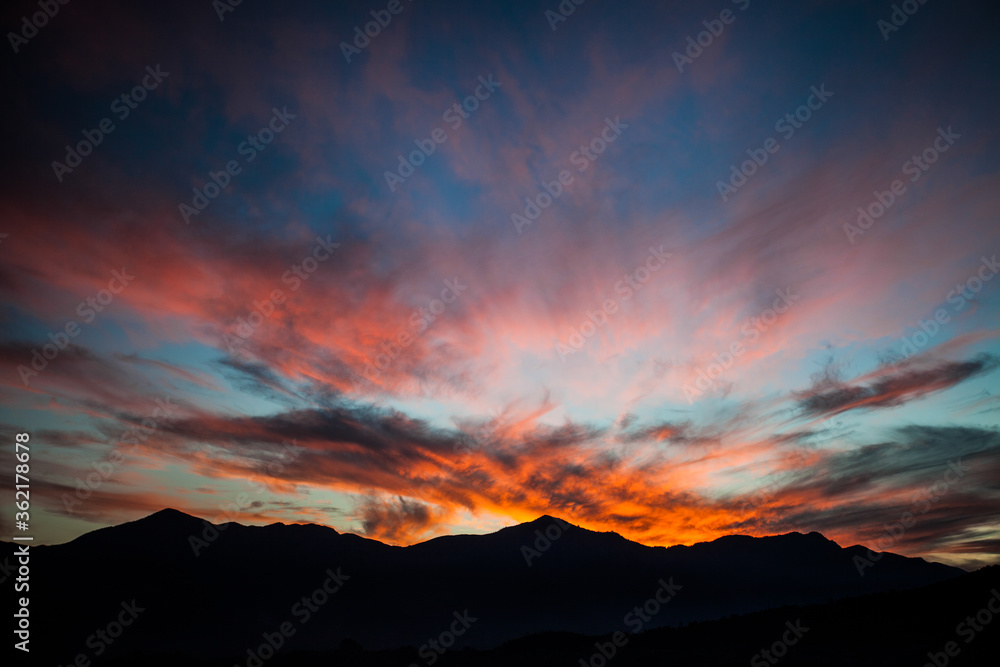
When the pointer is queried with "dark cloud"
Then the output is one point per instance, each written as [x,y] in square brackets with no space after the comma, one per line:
[899,385]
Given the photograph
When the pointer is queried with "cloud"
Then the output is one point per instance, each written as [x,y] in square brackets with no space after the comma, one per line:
[895,387]
[398,520]
[607,439]
[852,495]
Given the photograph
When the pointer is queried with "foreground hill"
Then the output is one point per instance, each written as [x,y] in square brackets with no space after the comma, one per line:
[898,629]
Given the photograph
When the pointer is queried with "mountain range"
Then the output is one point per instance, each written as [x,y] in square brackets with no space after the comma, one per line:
[196,589]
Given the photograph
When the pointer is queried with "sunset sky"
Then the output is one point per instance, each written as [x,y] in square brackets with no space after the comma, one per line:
[345,330]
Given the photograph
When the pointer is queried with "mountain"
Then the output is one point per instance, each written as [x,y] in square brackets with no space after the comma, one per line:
[208,590]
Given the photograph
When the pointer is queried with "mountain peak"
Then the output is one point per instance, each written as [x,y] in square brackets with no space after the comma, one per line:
[157,524]
[543,522]
[168,519]
[548,518]
[169,512]
[170,515]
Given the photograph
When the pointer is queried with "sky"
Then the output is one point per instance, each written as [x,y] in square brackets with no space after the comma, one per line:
[673,270]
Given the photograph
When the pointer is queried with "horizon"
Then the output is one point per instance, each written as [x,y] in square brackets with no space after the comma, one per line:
[494,532]
[672,272]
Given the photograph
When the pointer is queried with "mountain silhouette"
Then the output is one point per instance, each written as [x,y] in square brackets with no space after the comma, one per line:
[211,590]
